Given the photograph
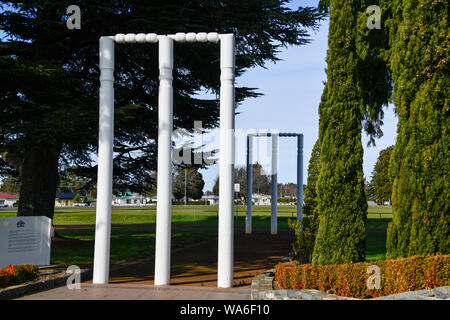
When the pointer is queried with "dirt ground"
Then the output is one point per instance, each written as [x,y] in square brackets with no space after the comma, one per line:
[196,265]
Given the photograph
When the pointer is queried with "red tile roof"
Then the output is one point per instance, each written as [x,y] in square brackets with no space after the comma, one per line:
[7,195]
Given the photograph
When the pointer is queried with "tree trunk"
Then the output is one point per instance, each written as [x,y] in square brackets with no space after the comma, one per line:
[39,181]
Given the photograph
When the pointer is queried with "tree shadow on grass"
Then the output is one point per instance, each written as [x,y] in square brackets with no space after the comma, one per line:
[76,246]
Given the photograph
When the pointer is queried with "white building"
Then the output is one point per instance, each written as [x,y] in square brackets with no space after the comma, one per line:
[64,199]
[211,199]
[130,199]
[7,199]
[259,199]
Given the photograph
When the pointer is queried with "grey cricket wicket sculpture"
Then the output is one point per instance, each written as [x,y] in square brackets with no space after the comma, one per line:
[274,196]
[164,179]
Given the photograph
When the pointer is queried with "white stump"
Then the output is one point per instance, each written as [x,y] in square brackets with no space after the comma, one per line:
[105,162]
[164,179]
[226,163]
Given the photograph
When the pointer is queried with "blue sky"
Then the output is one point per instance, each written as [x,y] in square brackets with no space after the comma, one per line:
[292,89]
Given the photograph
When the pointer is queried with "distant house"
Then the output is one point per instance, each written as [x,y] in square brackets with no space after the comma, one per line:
[7,199]
[64,199]
[259,199]
[211,199]
[153,200]
[130,199]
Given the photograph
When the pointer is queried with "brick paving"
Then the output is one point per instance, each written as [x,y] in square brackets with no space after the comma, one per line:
[193,272]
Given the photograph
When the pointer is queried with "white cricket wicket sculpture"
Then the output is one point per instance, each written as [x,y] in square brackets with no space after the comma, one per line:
[274,195]
[164,179]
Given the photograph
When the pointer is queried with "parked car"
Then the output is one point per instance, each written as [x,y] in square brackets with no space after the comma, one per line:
[3,205]
[81,204]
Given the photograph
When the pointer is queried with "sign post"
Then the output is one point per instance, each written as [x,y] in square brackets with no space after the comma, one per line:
[237,189]
[25,240]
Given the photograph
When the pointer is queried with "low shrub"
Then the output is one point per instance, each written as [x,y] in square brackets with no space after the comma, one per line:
[305,236]
[287,200]
[191,203]
[16,274]
[350,280]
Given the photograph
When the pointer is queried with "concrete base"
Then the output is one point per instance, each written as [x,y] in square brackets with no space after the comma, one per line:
[140,292]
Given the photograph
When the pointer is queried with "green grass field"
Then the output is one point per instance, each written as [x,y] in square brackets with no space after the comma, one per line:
[126,244]
[131,243]
[375,247]
[198,215]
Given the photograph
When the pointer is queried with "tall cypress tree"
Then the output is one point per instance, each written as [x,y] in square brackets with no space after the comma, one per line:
[342,204]
[310,200]
[420,163]
[306,229]
[381,180]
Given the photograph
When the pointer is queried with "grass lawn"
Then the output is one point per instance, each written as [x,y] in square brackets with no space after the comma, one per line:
[375,247]
[132,243]
[198,215]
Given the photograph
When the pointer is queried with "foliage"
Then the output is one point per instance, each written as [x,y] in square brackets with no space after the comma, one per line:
[16,274]
[287,190]
[341,201]
[49,81]
[260,181]
[189,180]
[10,184]
[70,182]
[369,190]
[350,280]
[76,199]
[372,72]
[191,203]
[381,180]
[305,236]
[215,189]
[420,162]
[310,196]
[306,230]
[240,176]
[286,200]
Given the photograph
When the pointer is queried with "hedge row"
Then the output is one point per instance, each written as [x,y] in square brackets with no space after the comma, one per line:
[287,200]
[350,280]
[15,274]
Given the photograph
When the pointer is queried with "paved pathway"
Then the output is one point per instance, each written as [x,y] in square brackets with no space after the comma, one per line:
[140,292]
[193,272]
[197,265]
